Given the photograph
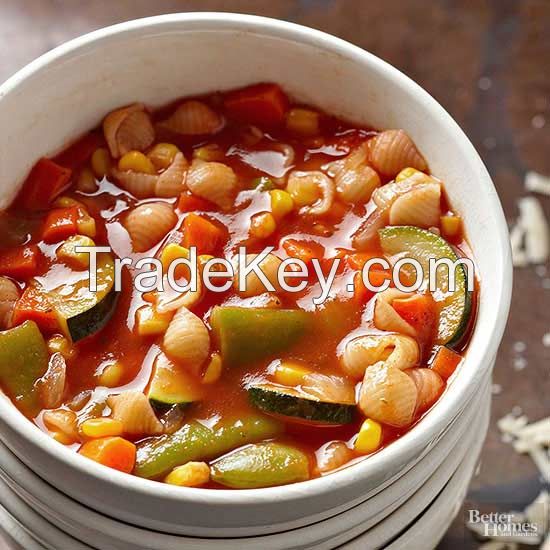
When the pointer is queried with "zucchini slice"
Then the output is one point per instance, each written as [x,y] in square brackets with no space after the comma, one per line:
[172,385]
[421,245]
[81,312]
[293,402]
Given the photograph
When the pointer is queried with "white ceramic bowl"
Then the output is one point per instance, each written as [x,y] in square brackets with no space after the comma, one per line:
[155,60]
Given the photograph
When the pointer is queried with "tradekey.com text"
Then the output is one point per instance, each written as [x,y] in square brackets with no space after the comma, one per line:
[289,275]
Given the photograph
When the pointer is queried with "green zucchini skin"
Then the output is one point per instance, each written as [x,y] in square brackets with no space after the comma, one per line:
[273,400]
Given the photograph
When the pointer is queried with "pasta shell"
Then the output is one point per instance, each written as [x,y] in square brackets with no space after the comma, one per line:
[213,181]
[420,207]
[9,294]
[187,299]
[149,223]
[186,340]
[393,150]
[133,409]
[194,118]
[386,318]
[429,385]
[254,286]
[385,195]
[394,350]
[171,182]
[140,185]
[367,235]
[332,455]
[356,186]
[388,395]
[62,421]
[325,185]
[52,384]
[128,129]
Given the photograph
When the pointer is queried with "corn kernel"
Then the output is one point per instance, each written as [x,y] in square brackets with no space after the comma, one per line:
[281,203]
[209,153]
[289,373]
[101,162]
[86,224]
[66,252]
[136,161]
[150,322]
[67,202]
[63,438]
[191,474]
[162,155]
[450,225]
[213,370]
[60,344]
[262,225]
[406,173]
[304,191]
[304,122]
[86,181]
[111,375]
[369,437]
[172,252]
[101,427]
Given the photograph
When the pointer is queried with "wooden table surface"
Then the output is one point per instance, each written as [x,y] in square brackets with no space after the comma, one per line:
[488,63]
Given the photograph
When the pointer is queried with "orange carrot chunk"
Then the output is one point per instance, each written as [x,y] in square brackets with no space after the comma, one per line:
[201,233]
[46,180]
[304,250]
[114,452]
[190,203]
[20,263]
[34,306]
[60,224]
[445,362]
[261,104]
[361,293]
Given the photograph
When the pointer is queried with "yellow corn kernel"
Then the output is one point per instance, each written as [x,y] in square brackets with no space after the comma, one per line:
[67,202]
[162,155]
[136,161]
[101,162]
[213,370]
[63,438]
[289,373]
[281,203]
[150,322]
[66,252]
[86,181]
[450,225]
[172,252]
[262,225]
[209,153]
[304,122]
[191,474]
[304,191]
[101,427]
[406,173]
[369,437]
[60,344]
[111,375]
[86,224]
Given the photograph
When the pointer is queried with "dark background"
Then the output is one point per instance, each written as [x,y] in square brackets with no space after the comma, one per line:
[488,63]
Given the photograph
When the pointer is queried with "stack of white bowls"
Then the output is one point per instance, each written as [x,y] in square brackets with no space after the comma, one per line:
[405,496]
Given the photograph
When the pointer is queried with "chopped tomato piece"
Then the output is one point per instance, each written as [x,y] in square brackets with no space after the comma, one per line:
[114,452]
[376,278]
[262,104]
[60,224]
[326,263]
[34,306]
[420,312]
[445,362]
[79,152]
[191,203]
[304,250]
[21,262]
[201,233]
[358,260]
[46,180]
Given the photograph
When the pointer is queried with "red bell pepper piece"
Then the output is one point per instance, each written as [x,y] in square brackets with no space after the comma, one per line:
[21,262]
[60,224]
[34,306]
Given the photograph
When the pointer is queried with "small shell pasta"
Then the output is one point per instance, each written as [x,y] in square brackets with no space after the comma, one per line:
[171,182]
[394,350]
[148,224]
[62,421]
[429,385]
[133,410]
[194,118]
[186,340]
[141,185]
[128,129]
[9,294]
[332,455]
[386,318]
[393,150]
[254,286]
[386,195]
[421,207]
[388,395]
[213,181]
[322,182]
[52,384]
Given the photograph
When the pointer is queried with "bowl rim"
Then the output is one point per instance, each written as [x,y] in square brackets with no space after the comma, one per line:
[424,432]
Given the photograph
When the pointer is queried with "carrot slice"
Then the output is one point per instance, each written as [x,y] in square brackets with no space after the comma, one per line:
[34,306]
[46,180]
[304,250]
[262,104]
[60,224]
[201,233]
[190,203]
[114,452]
[79,152]
[445,362]
[21,262]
